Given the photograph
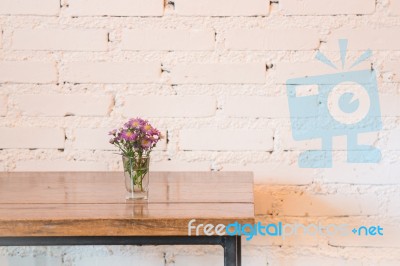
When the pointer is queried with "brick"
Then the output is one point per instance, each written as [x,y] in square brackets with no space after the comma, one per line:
[135,257]
[29,7]
[175,165]
[60,165]
[116,7]
[326,7]
[394,8]
[391,72]
[64,104]
[226,139]
[390,238]
[275,173]
[256,106]
[389,105]
[287,142]
[259,39]
[98,139]
[394,204]
[375,174]
[328,205]
[92,138]
[27,72]
[314,260]
[283,71]
[16,138]
[171,39]
[393,142]
[198,260]
[111,72]
[170,106]
[222,7]
[366,38]
[60,39]
[219,73]
[3,105]
[33,260]
[263,200]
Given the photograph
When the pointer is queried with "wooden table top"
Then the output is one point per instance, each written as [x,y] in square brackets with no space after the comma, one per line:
[93,203]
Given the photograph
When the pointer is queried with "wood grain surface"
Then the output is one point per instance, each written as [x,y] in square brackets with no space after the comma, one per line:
[93,203]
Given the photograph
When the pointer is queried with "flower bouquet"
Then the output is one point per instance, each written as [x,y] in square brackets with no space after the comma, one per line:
[136,139]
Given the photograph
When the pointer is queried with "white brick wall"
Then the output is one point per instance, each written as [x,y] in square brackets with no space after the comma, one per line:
[222,7]
[226,139]
[328,205]
[326,7]
[60,39]
[62,105]
[28,72]
[257,39]
[149,39]
[394,7]
[29,7]
[211,75]
[116,7]
[19,138]
[365,38]
[219,73]
[170,106]
[111,72]
[3,105]
[256,106]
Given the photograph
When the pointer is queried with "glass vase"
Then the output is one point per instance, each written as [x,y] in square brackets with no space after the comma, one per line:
[136,172]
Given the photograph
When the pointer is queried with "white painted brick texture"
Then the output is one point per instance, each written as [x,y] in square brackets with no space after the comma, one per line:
[111,72]
[63,105]
[170,106]
[186,40]
[283,39]
[19,138]
[211,75]
[223,73]
[222,7]
[3,105]
[394,7]
[326,7]
[28,72]
[116,7]
[225,139]
[29,7]
[60,39]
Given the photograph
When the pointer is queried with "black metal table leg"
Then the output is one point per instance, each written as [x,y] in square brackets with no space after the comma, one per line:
[232,251]
[231,244]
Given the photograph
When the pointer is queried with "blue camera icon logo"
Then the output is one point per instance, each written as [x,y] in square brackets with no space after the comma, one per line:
[344,104]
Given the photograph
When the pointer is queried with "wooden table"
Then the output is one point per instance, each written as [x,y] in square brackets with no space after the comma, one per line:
[89,208]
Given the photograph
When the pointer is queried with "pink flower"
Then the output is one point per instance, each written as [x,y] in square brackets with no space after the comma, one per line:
[146,143]
[112,132]
[128,135]
[135,123]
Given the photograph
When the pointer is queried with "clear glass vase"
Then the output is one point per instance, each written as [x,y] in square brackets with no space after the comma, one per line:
[136,171]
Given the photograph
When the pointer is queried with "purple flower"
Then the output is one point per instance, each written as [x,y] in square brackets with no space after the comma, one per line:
[112,132]
[135,123]
[136,136]
[128,135]
[146,143]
